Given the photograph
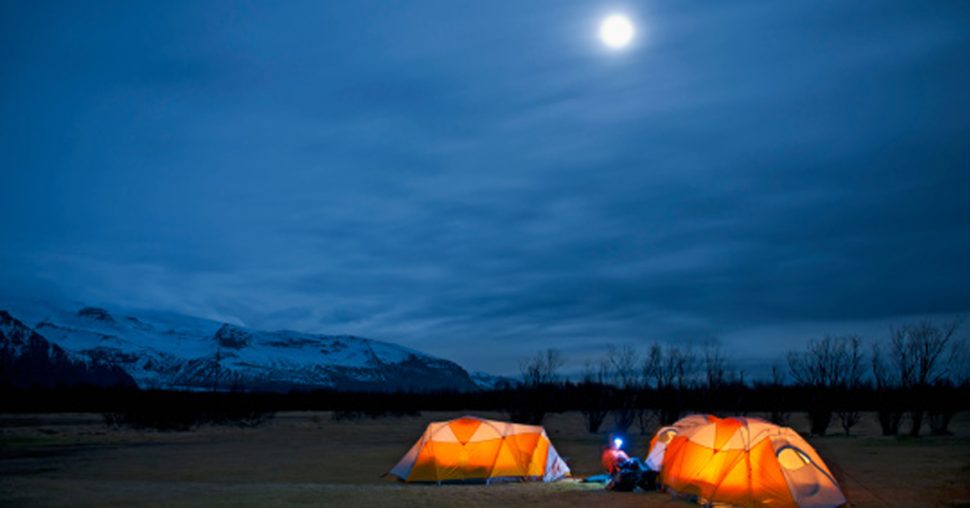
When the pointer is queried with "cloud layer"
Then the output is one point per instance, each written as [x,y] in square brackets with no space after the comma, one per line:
[487,174]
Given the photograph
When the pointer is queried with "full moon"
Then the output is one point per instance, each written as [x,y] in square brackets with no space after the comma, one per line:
[616,31]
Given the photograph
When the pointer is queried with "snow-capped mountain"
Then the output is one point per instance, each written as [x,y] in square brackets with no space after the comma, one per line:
[172,351]
[28,360]
[487,381]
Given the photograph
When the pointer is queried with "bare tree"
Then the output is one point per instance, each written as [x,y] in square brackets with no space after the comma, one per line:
[715,366]
[852,363]
[623,370]
[722,387]
[917,352]
[543,368]
[684,363]
[669,369]
[829,366]
[623,366]
[652,372]
[826,363]
[943,401]
[596,372]
[960,363]
[644,415]
[779,408]
[540,376]
[654,377]
[918,349]
[889,410]
[593,405]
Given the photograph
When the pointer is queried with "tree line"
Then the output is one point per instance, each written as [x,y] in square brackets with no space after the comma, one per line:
[920,373]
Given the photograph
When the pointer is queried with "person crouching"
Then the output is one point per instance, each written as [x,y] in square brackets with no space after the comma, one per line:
[614,456]
[626,474]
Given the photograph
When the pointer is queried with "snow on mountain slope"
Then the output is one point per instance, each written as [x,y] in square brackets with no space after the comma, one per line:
[165,350]
[487,381]
[28,360]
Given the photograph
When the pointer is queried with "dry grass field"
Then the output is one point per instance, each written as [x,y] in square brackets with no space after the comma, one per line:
[309,459]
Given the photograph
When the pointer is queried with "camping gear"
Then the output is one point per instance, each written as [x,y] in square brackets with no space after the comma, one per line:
[742,462]
[597,478]
[475,449]
[633,475]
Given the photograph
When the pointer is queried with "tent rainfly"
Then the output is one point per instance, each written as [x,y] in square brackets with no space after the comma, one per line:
[744,462]
[478,450]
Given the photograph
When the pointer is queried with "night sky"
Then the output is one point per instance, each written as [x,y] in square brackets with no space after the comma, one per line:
[479,180]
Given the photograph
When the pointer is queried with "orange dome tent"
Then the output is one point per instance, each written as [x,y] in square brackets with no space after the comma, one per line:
[742,462]
[470,448]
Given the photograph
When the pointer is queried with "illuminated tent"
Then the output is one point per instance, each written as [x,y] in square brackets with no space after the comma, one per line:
[474,449]
[742,462]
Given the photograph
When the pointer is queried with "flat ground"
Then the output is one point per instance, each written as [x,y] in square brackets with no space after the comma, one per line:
[309,459]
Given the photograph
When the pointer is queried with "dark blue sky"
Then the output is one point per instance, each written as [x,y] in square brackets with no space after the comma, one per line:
[450,175]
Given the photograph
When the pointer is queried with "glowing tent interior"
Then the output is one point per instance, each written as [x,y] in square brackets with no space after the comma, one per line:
[475,449]
[742,462]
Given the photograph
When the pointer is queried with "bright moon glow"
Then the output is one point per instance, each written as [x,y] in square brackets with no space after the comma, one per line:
[616,31]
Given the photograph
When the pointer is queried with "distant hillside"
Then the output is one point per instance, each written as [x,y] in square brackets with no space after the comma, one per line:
[28,360]
[487,381]
[171,351]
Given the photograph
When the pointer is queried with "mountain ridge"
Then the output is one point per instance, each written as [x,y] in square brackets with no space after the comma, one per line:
[28,360]
[172,351]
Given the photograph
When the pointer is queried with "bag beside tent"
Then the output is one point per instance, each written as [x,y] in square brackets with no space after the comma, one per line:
[475,449]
